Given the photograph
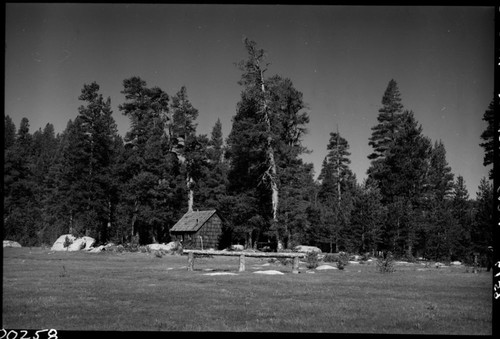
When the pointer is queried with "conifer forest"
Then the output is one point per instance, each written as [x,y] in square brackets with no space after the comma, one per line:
[89,180]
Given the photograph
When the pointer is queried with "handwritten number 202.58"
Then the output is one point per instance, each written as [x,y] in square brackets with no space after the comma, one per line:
[12,334]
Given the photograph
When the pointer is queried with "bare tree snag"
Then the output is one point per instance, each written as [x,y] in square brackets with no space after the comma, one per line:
[271,173]
[189,183]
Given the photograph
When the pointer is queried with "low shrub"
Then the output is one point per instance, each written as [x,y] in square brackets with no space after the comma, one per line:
[285,261]
[312,260]
[409,258]
[342,260]
[67,242]
[131,247]
[365,256]
[386,263]
[330,257]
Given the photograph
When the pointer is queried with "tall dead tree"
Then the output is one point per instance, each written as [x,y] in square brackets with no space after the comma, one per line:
[253,78]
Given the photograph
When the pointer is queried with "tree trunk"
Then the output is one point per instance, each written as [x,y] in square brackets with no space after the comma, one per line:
[249,240]
[271,172]
[289,242]
[134,218]
[189,183]
[362,242]
[409,250]
[396,238]
[71,222]
[279,242]
[256,239]
[110,213]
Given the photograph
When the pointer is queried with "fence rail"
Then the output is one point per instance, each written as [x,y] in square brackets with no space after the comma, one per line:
[242,255]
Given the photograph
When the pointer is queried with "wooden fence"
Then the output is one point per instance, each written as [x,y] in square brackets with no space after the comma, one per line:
[242,255]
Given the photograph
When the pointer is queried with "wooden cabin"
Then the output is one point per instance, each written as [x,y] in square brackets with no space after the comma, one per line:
[198,230]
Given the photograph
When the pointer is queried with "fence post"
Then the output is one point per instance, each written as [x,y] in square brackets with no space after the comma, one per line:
[190,261]
[242,263]
[295,268]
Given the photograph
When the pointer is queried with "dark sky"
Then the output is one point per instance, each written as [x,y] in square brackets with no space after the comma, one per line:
[341,58]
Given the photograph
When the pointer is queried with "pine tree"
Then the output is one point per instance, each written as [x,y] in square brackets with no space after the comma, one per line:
[315,230]
[336,191]
[24,138]
[213,183]
[76,187]
[296,182]
[408,163]
[190,148]
[460,234]
[436,238]
[100,136]
[255,84]
[482,232]
[440,176]
[384,133]
[295,178]
[45,148]
[402,183]
[265,138]
[9,132]
[184,115]
[216,151]
[58,215]
[84,192]
[154,193]
[488,136]
[248,211]
[21,207]
[367,219]
[335,168]
[436,215]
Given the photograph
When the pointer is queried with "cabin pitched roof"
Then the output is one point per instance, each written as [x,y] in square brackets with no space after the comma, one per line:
[192,221]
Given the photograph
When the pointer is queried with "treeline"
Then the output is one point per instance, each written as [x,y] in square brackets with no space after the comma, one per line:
[88,180]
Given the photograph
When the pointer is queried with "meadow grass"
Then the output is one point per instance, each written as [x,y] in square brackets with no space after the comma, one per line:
[141,292]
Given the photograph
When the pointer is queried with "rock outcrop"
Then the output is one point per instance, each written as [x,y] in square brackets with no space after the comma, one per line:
[11,243]
[170,247]
[269,272]
[306,249]
[68,242]
[83,243]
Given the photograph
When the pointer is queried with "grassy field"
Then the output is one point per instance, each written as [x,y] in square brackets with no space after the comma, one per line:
[141,292]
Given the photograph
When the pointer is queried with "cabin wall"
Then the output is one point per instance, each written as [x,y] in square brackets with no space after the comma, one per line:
[210,233]
[183,237]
